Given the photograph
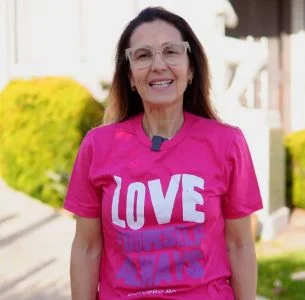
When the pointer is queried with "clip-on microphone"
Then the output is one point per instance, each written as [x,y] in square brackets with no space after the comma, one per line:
[157,140]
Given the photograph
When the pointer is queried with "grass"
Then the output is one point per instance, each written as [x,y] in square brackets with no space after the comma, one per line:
[279,268]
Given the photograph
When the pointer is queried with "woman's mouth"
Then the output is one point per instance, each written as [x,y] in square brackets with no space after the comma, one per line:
[161,84]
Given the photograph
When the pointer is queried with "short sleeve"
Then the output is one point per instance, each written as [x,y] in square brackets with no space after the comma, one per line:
[83,198]
[242,196]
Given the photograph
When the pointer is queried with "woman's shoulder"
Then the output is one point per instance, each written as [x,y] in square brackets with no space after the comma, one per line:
[108,130]
[214,128]
[111,132]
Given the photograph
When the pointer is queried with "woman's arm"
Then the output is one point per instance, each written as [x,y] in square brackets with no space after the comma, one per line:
[85,259]
[242,257]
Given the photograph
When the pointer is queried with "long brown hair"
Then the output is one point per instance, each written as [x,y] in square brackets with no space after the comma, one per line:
[124,103]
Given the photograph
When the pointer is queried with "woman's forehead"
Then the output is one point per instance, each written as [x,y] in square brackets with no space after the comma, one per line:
[155,34]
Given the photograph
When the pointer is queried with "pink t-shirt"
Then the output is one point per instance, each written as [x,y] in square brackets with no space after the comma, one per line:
[163,212]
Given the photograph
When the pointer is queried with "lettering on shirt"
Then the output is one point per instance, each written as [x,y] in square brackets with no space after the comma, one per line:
[163,204]
[163,255]
[150,267]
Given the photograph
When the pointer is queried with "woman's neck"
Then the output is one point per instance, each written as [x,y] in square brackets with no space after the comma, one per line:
[164,123]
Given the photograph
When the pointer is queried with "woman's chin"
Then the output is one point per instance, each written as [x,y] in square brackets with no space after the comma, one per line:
[161,102]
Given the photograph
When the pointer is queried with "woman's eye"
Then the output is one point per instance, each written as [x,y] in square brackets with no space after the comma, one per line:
[171,51]
[142,54]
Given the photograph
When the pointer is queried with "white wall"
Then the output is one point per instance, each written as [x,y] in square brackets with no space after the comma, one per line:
[4,62]
[297,109]
[60,37]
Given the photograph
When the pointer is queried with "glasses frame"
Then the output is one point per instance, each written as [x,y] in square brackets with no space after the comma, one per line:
[128,51]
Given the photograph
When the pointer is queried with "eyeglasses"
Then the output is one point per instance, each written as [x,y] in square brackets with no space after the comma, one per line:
[172,53]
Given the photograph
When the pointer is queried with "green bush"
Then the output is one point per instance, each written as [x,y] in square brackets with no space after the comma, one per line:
[42,122]
[295,158]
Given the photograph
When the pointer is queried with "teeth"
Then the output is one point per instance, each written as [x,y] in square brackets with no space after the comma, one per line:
[162,84]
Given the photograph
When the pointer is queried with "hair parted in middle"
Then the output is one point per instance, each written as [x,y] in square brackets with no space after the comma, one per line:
[123,102]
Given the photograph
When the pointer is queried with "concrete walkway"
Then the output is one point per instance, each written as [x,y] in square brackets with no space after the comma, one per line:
[35,243]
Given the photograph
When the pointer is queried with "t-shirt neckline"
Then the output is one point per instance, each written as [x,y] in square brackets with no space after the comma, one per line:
[147,141]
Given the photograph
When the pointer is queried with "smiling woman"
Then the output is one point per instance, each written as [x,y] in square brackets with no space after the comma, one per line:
[164,192]
[160,71]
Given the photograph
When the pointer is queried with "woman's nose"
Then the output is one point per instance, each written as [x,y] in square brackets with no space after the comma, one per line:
[158,62]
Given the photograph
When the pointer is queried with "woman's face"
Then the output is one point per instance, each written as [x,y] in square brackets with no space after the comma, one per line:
[159,65]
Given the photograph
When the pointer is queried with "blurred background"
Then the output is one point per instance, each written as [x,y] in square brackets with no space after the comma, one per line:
[56,67]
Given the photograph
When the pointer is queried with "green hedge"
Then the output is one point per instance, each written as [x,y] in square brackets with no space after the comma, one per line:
[42,122]
[295,154]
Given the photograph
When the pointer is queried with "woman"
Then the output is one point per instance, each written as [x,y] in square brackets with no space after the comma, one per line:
[163,194]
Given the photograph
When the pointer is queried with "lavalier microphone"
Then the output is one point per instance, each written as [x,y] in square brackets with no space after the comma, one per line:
[157,140]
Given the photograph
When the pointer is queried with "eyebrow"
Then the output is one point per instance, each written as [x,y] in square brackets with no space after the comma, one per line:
[163,44]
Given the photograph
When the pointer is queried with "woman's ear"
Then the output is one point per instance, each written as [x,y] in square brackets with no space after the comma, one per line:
[190,77]
[131,80]
[190,74]
[132,84]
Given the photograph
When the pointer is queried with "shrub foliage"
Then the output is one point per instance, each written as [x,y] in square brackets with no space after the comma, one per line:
[295,154]
[42,122]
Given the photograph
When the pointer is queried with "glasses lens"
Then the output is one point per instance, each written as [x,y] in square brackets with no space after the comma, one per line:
[142,57]
[173,54]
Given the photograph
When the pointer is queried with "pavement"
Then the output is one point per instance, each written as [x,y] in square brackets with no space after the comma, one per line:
[35,244]
[291,239]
